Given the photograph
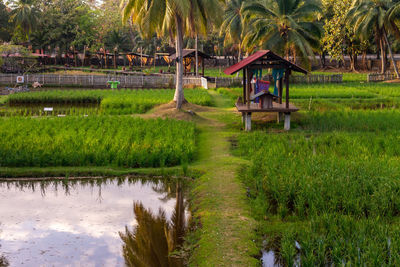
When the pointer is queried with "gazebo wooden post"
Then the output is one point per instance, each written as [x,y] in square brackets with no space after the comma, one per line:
[247,88]
[244,115]
[287,74]
[248,114]
[287,114]
[280,95]
[202,65]
[244,87]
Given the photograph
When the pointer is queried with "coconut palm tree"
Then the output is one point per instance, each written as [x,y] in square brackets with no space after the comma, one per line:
[285,26]
[394,18]
[25,15]
[375,16]
[232,27]
[174,18]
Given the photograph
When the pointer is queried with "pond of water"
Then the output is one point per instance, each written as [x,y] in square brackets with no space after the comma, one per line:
[92,222]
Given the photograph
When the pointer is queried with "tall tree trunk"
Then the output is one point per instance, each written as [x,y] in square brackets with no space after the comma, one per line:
[178,98]
[378,45]
[115,59]
[197,57]
[364,60]
[75,57]
[84,55]
[391,55]
[383,63]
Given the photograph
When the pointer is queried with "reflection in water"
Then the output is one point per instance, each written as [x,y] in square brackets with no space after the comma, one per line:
[272,254]
[154,238]
[77,222]
[3,260]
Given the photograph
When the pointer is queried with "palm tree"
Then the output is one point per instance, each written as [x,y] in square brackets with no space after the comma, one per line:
[173,18]
[375,16]
[394,17]
[154,238]
[25,16]
[232,27]
[285,26]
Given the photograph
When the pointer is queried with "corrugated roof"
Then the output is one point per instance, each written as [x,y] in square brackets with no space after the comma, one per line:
[190,53]
[138,54]
[264,54]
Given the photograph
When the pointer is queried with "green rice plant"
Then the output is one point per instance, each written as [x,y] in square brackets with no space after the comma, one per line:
[232,92]
[57,97]
[304,175]
[336,177]
[110,102]
[351,120]
[303,92]
[384,89]
[94,141]
[339,90]
[324,104]
[340,240]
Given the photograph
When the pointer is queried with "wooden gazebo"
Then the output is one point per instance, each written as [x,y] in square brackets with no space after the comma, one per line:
[265,59]
[140,59]
[189,59]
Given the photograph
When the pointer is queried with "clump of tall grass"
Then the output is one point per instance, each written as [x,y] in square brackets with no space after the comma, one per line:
[95,141]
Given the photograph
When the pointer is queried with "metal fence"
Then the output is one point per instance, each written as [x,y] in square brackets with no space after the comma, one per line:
[100,81]
[148,81]
[237,81]
[378,77]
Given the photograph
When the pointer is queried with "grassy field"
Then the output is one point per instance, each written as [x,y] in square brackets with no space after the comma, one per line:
[327,192]
[95,141]
[352,95]
[109,102]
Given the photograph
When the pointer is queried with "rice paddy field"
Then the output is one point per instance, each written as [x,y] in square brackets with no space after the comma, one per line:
[95,141]
[92,129]
[327,193]
[116,102]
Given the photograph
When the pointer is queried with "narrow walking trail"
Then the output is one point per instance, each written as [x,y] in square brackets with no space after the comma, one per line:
[226,235]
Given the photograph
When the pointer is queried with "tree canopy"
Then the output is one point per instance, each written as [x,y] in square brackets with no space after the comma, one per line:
[296,29]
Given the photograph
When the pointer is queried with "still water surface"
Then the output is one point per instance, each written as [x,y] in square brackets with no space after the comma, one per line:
[109,222]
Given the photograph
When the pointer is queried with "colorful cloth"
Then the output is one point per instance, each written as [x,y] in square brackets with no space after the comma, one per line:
[277,74]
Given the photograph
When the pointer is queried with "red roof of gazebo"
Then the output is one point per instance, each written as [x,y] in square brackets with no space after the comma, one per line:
[266,55]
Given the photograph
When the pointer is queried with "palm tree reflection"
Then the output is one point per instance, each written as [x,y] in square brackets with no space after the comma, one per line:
[3,260]
[154,238]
